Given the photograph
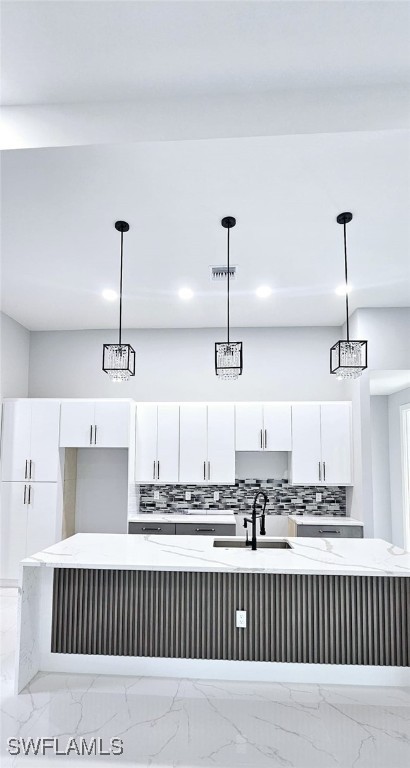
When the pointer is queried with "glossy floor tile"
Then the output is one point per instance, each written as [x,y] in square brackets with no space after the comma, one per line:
[170,722]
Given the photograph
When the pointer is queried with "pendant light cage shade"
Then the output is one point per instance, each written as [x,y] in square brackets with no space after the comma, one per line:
[228,359]
[119,361]
[348,359]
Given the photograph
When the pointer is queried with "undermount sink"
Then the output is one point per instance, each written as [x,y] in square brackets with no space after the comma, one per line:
[262,544]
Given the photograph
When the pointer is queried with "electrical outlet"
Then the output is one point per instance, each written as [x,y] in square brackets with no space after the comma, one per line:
[318,497]
[216,495]
[241,619]
[188,495]
[156,495]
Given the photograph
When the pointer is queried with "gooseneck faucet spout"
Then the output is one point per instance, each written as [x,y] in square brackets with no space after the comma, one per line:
[254,518]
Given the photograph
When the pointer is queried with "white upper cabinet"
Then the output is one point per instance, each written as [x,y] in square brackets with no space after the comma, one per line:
[193,467]
[263,427]
[335,424]
[277,427]
[306,446]
[96,424]
[168,443]
[146,443]
[249,427]
[221,443]
[321,444]
[30,440]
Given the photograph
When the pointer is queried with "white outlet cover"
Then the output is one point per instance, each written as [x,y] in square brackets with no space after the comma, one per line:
[188,495]
[318,497]
[241,619]
[216,495]
[156,495]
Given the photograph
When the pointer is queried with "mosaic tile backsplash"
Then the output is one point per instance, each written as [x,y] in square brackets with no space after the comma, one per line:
[284,499]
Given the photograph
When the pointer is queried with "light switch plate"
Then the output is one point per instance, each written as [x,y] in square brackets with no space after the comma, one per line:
[241,619]
[188,495]
[156,495]
[318,497]
[216,495]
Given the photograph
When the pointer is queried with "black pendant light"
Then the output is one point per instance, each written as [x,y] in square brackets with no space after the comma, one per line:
[348,359]
[119,359]
[228,355]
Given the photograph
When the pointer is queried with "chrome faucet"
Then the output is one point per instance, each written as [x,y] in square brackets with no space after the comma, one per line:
[253,520]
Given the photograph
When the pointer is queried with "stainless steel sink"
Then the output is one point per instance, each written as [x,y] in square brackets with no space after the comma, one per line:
[262,543]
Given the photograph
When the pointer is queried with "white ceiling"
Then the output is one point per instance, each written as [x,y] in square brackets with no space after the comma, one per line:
[56,52]
[388,382]
[60,248]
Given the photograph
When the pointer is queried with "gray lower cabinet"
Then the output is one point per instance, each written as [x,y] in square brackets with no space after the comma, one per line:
[147,528]
[205,529]
[331,531]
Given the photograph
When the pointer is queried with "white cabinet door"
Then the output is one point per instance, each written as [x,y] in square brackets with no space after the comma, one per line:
[168,444]
[277,426]
[306,447]
[146,444]
[193,444]
[42,527]
[76,424]
[336,444]
[221,443]
[13,529]
[249,427]
[16,429]
[45,422]
[112,424]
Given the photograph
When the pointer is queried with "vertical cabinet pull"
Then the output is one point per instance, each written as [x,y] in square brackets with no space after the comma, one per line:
[261,439]
[324,471]
[158,469]
[320,472]
[209,470]
[25,494]
[25,470]
[204,470]
[91,434]
[153,471]
[29,495]
[31,470]
[95,434]
[266,439]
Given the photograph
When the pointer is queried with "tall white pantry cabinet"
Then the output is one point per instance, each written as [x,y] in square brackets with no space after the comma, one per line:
[30,517]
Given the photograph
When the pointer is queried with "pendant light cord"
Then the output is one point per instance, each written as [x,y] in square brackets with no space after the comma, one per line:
[228,275]
[346,284]
[120,332]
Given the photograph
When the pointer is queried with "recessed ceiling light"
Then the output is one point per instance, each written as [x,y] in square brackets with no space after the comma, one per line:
[185,294]
[341,290]
[263,292]
[109,294]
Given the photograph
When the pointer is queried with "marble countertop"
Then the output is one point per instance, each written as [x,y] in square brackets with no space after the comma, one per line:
[217,518]
[323,520]
[359,557]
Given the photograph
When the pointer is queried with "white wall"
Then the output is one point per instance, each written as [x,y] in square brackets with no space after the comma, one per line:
[379,415]
[387,330]
[15,344]
[102,490]
[396,474]
[279,364]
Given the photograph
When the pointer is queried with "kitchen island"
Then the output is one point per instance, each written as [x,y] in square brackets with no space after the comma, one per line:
[317,610]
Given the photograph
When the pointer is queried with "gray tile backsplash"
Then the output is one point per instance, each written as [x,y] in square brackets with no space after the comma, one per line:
[284,499]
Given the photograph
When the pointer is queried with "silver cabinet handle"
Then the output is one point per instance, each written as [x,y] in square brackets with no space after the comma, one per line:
[153,471]
[204,530]
[204,470]
[158,469]
[29,495]
[266,439]
[209,470]
[31,470]
[151,529]
[25,494]
[95,434]
[332,531]
[25,470]
[91,434]
[324,471]
[320,472]
[261,439]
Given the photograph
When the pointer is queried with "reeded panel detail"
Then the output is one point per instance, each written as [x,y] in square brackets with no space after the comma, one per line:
[313,619]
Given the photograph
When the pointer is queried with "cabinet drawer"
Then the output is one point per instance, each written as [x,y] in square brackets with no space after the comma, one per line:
[205,529]
[330,531]
[152,528]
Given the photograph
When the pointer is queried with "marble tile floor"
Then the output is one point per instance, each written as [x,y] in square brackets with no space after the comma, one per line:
[167,723]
